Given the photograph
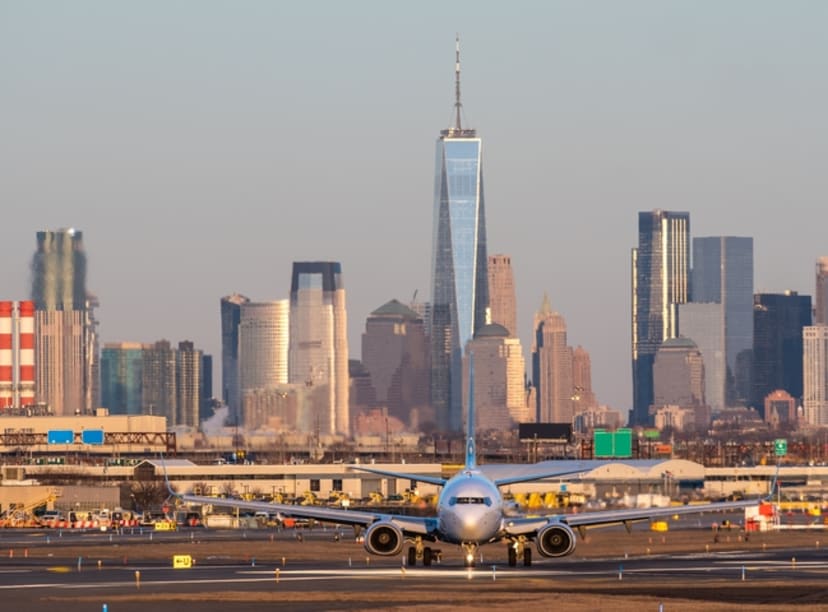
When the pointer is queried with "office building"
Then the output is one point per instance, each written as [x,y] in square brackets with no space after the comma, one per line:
[460,297]
[122,377]
[263,335]
[703,323]
[502,300]
[552,367]
[318,349]
[65,330]
[815,375]
[395,354]
[778,323]
[821,294]
[498,382]
[189,385]
[723,274]
[660,280]
[230,319]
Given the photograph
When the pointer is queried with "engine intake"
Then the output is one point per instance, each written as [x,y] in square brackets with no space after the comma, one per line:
[556,540]
[383,538]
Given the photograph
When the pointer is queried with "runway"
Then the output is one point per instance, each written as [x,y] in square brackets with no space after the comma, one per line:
[318,574]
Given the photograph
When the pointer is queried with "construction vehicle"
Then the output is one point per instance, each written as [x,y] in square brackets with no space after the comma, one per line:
[23,515]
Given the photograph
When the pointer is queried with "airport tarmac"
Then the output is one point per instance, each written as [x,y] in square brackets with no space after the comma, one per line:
[682,569]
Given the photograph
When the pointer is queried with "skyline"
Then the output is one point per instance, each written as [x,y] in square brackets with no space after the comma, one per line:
[189,134]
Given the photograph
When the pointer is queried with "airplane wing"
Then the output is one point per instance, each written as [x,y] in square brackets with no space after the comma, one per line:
[581,521]
[435,480]
[536,476]
[415,525]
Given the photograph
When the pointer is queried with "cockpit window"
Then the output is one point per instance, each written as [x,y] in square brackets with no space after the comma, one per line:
[470,500]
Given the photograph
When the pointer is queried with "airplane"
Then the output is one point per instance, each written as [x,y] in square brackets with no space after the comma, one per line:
[470,512]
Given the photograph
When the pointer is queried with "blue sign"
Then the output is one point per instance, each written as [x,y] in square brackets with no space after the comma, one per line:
[60,436]
[92,436]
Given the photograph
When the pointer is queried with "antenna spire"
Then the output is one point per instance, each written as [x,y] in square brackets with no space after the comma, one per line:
[457,104]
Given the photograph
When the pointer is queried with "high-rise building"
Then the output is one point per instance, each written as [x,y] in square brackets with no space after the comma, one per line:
[159,381]
[460,296]
[678,384]
[395,354]
[815,375]
[264,332]
[660,279]
[821,294]
[723,274]
[172,383]
[188,362]
[207,400]
[17,370]
[66,356]
[582,394]
[502,300]
[498,383]
[230,319]
[552,367]
[122,377]
[778,321]
[703,323]
[318,350]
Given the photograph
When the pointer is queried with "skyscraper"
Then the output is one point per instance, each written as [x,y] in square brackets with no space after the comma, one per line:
[821,295]
[230,318]
[263,344]
[122,377]
[318,350]
[552,367]
[723,274]
[65,329]
[460,296]
[499,394]
[188,363]
[815,375]
[502,300]
[395,355]
[778,322]
[660,272]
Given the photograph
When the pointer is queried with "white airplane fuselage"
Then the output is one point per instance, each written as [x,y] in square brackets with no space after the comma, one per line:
[469,509]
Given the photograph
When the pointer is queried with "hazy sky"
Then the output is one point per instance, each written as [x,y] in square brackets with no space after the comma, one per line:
[202,147]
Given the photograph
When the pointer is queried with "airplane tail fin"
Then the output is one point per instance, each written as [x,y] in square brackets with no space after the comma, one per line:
[471,452]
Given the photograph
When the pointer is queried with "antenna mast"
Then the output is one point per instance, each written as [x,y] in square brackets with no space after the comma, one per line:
[457,104]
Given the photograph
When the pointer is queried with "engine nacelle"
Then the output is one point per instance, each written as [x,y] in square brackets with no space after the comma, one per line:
[556,540]
[384,538]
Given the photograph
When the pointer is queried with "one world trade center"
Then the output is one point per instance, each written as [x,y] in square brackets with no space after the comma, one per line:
[460,296]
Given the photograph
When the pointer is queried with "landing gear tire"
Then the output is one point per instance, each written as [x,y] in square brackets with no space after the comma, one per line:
[527,557]
[512,555]
[412,556]
[427,557]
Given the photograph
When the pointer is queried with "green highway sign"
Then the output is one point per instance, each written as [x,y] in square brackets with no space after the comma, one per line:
[780,447]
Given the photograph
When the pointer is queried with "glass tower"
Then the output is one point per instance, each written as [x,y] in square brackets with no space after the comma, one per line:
[660,270]
[318,347]
[460,296]
[723,274]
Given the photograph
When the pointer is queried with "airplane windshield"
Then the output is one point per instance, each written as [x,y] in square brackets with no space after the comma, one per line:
[470,500]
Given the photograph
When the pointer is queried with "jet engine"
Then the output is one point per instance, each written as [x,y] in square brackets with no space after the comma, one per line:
[556,540]
[383,538]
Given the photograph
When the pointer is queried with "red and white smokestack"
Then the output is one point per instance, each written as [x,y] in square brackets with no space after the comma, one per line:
[26,356]
[6,381]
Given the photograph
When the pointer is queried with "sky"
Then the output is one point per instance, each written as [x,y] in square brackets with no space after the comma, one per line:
[202,147]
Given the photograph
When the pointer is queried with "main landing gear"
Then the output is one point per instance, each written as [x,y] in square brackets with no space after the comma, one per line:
[426,554]
[518,548]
